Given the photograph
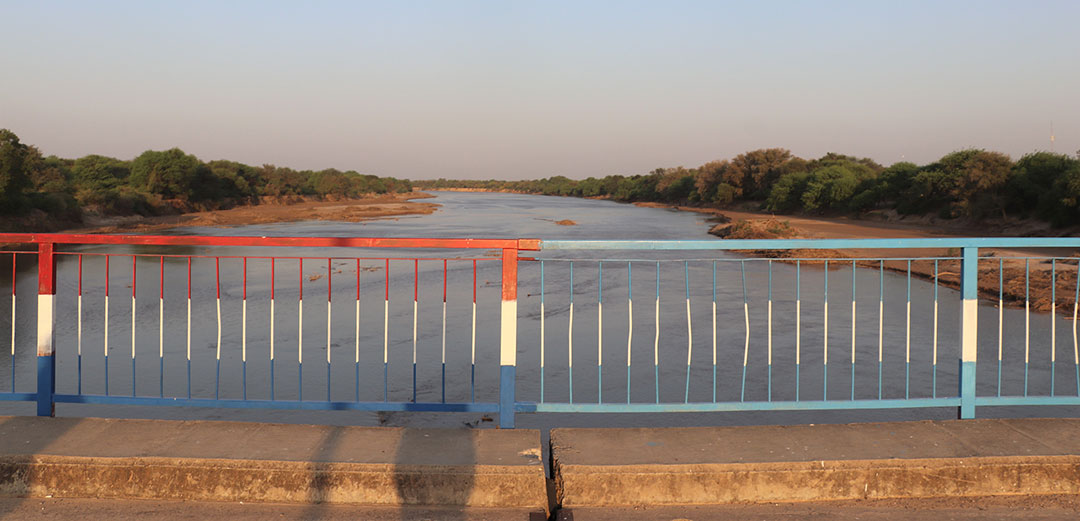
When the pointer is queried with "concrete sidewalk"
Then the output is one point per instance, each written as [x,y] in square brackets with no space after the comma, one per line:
[715,465]
[254,462]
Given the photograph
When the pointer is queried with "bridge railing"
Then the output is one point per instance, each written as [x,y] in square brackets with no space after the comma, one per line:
[421,324]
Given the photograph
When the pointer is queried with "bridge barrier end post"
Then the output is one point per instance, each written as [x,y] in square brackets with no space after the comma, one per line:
[508,342]
[969,327]
[46,320]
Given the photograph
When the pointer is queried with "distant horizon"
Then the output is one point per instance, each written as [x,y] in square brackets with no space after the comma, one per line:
[490,90]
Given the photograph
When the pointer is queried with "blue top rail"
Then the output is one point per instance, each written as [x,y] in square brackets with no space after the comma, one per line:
[815,244]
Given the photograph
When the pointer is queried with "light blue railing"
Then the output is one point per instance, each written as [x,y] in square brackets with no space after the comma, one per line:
[585,326]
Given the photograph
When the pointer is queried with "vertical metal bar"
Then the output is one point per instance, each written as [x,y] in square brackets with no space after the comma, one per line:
[217,280]
[472,352]
[880,325]
[508,344]
[656,340]
[714,331]
[1027,321]
[853,299]
[243,334]
[188,337]
[746,326]
[1053,322]
[798,325]
[629,323]
[769,335]
[933,371]
[78,341]
[541,331]
[272,298]
[133,259]
[689,330]
[106,339]
[1001,319]
[600,332]
[825,336]
[386,334]
[46,342]
[570,338]
[356,363]
[13,284]
[969,330]
[329,314]
[444,270]
[415,318]
[300,333]
[907,338]
[161,327]
[1076,341]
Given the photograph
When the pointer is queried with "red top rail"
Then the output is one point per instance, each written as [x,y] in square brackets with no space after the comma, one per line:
[313,242]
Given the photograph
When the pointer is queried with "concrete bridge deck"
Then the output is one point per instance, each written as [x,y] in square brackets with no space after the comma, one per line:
[485,469]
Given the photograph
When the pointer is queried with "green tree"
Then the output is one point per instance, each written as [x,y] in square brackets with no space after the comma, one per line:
[95,172]
[169,173]
[13,177]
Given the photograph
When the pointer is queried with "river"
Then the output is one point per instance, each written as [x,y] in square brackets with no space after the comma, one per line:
[488,215]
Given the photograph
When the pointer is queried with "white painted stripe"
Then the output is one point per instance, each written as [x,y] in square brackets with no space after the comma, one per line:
[189,331]
[656,340]
[133,326]
[473,359]
[1053,332]
[13,321]
[689,334]
[629,329]
[907,340]
[45,324]
[1027,330]
[300,331]
[415,318]
[161,328]
[329,313]
[219,329]
[1001,327]
[970,324]
[271,329]
[79,329]
[570,338]
[541,334]
[600,333]
[106,327]
[769,336]
[746,341]
[798,332]
[1076,343]
[714,333]
[444,332]
[243,332]
[853,315]
[358,331]
[508,342]
[386,331]
[825,335]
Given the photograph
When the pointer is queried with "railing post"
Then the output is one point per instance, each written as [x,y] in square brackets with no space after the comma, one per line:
[969,327]
[46,312]
[508,334]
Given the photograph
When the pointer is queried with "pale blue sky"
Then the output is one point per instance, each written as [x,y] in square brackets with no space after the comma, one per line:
[523,90]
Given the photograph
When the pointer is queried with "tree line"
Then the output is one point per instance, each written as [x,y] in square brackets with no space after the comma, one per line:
[157,182]
[972,183]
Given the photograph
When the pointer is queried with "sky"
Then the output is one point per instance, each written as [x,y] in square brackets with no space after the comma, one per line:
[522,90]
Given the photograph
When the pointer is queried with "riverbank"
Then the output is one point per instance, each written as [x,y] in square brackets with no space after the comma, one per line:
[1017,277]
[349,210]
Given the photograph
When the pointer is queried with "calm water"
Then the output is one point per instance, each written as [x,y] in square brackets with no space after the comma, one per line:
[503,216]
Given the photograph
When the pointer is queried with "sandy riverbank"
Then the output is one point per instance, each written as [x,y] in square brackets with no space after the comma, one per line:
[349,210]
[1011,267]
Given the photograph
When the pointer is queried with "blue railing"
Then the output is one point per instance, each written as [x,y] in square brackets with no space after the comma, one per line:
[729,325]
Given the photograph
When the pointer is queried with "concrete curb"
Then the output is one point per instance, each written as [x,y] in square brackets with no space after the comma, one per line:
[272,481]
[696,484]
